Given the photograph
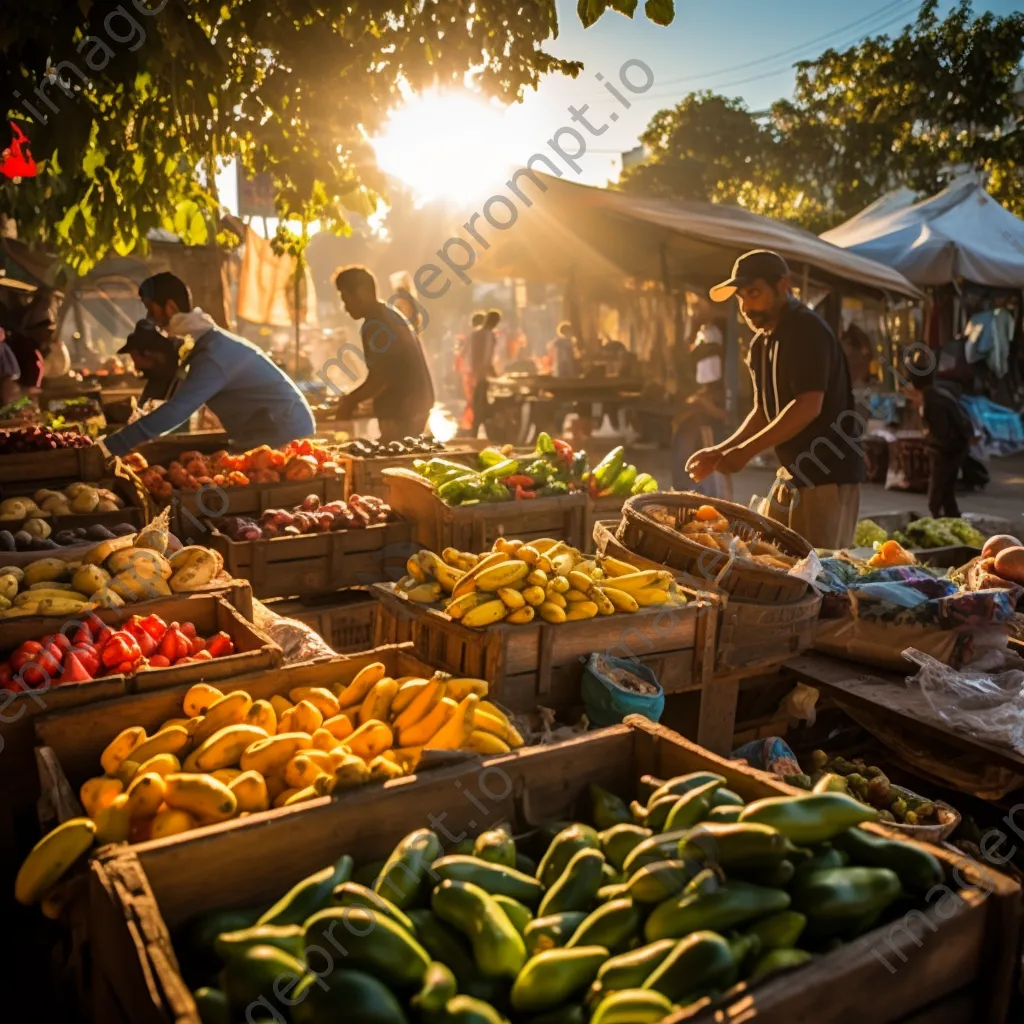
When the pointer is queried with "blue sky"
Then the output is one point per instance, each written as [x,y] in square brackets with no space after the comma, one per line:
[698,50]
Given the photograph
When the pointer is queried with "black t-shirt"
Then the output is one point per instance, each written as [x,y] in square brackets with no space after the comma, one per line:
[950,430]
[393,352]
[800,355]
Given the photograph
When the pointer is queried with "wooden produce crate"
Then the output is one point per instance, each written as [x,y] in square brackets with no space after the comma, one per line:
[317,562]
[542,663]
[140,896]
[66,464]
[599,510]
[476,527]
[69,744]
[346,620]
[366,476]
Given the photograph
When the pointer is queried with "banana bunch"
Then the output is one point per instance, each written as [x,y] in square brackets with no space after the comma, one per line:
[517,582]
[230,755]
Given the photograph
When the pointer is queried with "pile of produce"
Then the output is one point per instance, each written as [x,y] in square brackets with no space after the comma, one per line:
[1000,567]
[357,513]
[135,567]
[36,534]
[553,469]
[517,581]
[921,534]
[26,440]
[870,785]
[75,499]
[361,448]
[665,906]
[297,460]
[711,529]
[96,650]
[231,755]
[23,408]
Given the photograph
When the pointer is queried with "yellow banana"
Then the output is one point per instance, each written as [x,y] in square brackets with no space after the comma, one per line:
[200,698]
[453,557]
[481,742]
[489,722]
[51,857]
[601,599]
[537,578]
[269,756]
[574,596]
[522,616]
[263,716]
[422,703]
[486,614]
[425,593]
[406,693]
[226,746]
[369,740]
[280,705]
[580,580]
[459,689]
[250,789]
[513,599]
[96,793]
[226,775]
[145,795]
[304,717]
[563,564]
[201,795]
[319,696]
[468,582]
[509,547]
[647,596]
[416,570]
[544,545]
[620,599]
[172,739]
[528,554]
[408,758]
[458,608]
[447,576]
[377,703]
[551,613]
[580,611]
[382,768]
[229,710]
[559,584]
[555,598]
[418,732]
[340,727]
[454,733]
[118,749]
[351,771]
[534,595]
[363,681]
[615,566]
[113,824]
[503,575]
[171,823]
[641,578]
[302,770]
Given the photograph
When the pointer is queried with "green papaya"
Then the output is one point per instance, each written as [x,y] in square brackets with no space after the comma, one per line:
[212,1005]
[810,818]
[632,969]
[779,960]
[735,847]
[917,869]
[251,976]
[732,905]
[492,878]
[352,996]
[779,931]
[607,809]
[444,943]
[701,960]
[496,847]
[369,873]
[518,914]
[464,847]
[200,934]
[724,815]
[726,798]
[439,985]
[659,847]
[576,888]
[305,898]
[552,931]
[498,949]
[656,813]
[287,937]
[614,891]
[613,925]
[618,842]
[824,856]
[774,876]
[527,865]
[683,784]
[691,807]
[371,942]
[632,1006]
[467,1010]
[403,879]
[352,894]
[660,880]
[839,901]
[563,848]
[551,978]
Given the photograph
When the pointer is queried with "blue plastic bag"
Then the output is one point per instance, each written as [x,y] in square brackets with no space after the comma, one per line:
[607,703]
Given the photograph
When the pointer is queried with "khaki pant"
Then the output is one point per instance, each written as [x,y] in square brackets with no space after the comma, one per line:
[825,516]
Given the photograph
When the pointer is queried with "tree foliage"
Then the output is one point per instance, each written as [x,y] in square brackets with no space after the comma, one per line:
[148,96]
[888,112]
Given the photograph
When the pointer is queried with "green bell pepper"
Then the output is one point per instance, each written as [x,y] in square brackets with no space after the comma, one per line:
[609,468]
[490,457]
[545,446]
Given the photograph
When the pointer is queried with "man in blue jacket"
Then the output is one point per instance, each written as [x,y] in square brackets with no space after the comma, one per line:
[254,400]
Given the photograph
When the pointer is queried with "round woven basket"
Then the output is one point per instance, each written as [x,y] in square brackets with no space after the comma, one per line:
[650,527]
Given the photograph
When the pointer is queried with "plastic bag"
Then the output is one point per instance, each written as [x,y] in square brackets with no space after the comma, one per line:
[607,702]
[801,703]
[772,754]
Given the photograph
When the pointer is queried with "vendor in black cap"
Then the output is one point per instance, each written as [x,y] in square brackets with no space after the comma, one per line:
[803,407]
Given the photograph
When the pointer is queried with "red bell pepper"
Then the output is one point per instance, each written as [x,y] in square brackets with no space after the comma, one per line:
[24,654]
[101,636]
[522,494]
[58,640]
[88,658]
[154,626]
[82,638]
[74,671]
[564,450]
[119,649]
[175,644]
[220,644]
[147,643]
[519,480]
[189,629]
[124,669]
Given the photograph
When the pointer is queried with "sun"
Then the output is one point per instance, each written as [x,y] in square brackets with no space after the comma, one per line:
[451,144]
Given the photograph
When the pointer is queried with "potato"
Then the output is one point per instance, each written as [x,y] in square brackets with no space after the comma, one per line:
[37,528]
[85,501]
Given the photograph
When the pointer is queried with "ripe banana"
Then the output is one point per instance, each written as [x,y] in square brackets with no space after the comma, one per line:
[537,578]
[509,547]
[615,566]
[145,795]
[581,610]
[422,704]
[377,703]
[418,731]
[425,593]
[459,689]
[320,697]
[503,575]
[575,596]
[563,563]
[555,598]
[250,789]
[406,692]
[580,580]
[445,574]
[485,614]
[551,613]
[646,596]
[528,554]
[559,584]
[458,608]
[51,857]
[454,733]
[224,748]
[202,796]
[415,569]
[369,740]
[534,595]
[120,747]
[482,742]
[512,598]
[361,684]
[601,599]
[643,578]
[468,582]
[522,615]
[620,599]
[229,710]
[269,756]
[382,768]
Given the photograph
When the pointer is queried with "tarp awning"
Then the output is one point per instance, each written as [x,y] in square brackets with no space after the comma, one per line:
[960,233]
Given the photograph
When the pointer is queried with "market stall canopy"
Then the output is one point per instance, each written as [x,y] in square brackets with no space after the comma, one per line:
[960,233]
[578,230]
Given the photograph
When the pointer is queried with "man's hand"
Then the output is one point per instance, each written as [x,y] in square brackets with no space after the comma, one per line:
[734,460]
[702,464]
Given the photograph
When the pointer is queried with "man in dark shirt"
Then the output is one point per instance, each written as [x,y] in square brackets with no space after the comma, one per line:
[397,376]
[482,344]
[803,406]
[950,433]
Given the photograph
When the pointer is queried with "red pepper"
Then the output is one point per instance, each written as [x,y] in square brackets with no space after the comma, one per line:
[74,671]
[189,629]
[82,637]
[147,643]
[198,644]
[519,480]
[6,675]
[158,661]
[185,661]
[592,487]
[89,659]
[121,647]
[175,644]
[43,670]
[522,494]
[56,653]
[24,654]
[101,636]
[58,640]
[219,645]
[124,669]
[564,450]
[154,626]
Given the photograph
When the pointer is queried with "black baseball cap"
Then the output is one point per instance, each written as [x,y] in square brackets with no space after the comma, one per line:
[147,337]
[759,263]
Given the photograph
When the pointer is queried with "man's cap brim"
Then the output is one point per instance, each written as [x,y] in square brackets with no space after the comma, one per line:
[726,290]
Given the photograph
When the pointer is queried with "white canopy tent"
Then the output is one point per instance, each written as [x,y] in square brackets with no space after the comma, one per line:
[960,233]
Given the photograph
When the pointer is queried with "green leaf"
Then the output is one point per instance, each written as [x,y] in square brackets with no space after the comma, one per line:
[63,226]
[626,7]
[661,12]
[590,10]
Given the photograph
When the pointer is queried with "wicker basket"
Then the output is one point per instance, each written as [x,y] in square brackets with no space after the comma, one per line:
[741,577]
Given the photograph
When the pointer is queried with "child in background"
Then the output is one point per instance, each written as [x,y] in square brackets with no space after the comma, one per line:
[949,432]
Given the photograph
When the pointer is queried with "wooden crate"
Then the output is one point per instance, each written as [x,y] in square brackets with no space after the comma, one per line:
[366,476]
[318,562]
[601,510]
[67,464]
[476,527]
[541,663]
[346,620]
[69,743]
[139,896]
